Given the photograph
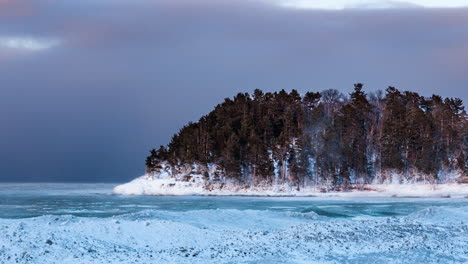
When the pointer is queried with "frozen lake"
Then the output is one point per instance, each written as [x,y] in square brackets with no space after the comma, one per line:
[85,223]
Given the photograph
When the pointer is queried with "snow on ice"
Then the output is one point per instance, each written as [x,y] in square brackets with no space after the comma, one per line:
[433,235]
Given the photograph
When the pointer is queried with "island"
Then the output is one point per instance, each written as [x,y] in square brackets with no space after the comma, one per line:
[392,143]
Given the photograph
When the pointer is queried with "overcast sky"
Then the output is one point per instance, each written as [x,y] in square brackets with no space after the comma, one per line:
[88,87]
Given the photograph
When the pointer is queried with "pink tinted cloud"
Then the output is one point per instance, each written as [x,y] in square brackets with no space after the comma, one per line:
[454,59]
[88,33]
[16,8]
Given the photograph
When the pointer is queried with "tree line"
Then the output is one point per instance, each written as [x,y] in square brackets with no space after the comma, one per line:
[324,138]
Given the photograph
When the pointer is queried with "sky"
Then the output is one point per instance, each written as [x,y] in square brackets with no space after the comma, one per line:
[88,87]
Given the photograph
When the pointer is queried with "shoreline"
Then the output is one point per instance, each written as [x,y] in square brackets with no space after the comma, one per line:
[171,187]
[334,195]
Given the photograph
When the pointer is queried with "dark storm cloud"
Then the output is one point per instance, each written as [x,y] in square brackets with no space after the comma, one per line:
[123,76]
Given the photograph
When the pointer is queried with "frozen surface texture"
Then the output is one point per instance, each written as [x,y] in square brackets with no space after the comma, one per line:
[430,236]
[66,226]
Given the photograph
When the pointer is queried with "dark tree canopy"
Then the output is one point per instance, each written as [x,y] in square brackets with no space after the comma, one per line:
[325,137]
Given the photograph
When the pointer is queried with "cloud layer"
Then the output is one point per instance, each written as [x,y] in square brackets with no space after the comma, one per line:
[123,75]
[371,4]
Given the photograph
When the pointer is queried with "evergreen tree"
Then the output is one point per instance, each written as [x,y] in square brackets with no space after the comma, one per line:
[393,130]
[322,138]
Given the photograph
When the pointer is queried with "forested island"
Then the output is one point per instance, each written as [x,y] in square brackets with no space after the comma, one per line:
[328,140]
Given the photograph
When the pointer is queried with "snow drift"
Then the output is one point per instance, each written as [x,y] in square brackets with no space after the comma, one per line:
[217,236]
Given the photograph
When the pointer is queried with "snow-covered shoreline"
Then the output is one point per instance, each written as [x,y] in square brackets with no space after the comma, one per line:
[147,185]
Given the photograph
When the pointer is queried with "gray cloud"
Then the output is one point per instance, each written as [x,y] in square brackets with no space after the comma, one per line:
[128,74]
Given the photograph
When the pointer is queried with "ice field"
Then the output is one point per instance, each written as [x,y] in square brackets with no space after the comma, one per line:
[81,223]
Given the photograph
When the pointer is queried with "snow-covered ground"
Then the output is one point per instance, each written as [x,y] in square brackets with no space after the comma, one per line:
[147,185]
[69,223]
[433,235]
